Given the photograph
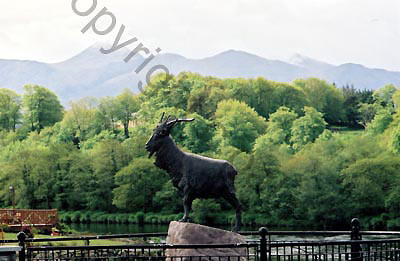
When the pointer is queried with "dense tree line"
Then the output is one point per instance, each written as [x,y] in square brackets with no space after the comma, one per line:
[300,161]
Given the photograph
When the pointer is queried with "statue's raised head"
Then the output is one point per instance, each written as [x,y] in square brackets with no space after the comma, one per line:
[162,131]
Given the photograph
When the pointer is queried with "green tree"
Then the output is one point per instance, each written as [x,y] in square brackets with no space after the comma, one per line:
[238,125]
[204,210]
[320,196]
[42,107]
[396,99]
[370,180]
[168,199]
[107,113]
[395,141]
[172,91]
[33,170]
[78,121]
[307,128]
[256,170]
[366,113]
[289,96]
[350,103]
[269,96]
[198,134]
[136,185]
[380,122]
[280,125]
[107,158]
[384,95]
[264,99]
[128,104]
[324,97]
[10,109]
[204,99]
[73,177]
[242,90]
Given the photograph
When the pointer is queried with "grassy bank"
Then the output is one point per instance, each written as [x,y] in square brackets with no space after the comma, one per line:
[96,242]
[116,218]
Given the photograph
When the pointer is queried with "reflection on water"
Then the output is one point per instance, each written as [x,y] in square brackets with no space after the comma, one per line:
[102,229]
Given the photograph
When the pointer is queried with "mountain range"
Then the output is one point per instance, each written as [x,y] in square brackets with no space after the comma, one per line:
[91,73]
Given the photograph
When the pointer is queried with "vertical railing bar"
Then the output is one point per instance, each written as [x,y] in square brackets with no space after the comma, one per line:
[284,252]
[21,236]
[299,252]
[319,252]
[276,252]
[306,253]
[312,252]
[263,243]
[291,251]
[333,252]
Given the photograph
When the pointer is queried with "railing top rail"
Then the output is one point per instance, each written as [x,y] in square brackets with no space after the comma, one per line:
[145,246]
[384,233]
[296,233]
[85,238]
[320,233]
[245,233]
[330,242]
[8,241]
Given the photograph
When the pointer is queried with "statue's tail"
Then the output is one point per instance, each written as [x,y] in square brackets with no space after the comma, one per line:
[231,174]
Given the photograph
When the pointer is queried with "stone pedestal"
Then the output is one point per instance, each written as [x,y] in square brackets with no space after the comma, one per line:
[181,233]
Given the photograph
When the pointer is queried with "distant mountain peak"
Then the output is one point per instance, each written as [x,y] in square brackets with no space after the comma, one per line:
[307,62]
[236,53]
[298,59]
[92,73]
[94,55]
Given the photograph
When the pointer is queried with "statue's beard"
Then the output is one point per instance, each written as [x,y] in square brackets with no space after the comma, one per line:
[151,153]
[151,150]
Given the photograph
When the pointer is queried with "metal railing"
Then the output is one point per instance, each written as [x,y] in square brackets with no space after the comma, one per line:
[261,248]
[141,251]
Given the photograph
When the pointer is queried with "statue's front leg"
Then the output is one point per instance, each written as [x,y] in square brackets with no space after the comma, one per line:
[187,206]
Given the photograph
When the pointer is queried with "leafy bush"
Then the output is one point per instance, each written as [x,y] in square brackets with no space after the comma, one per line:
[121,218]
[140,218]
[75,216]
[85,217]
[65,217]
[204,211]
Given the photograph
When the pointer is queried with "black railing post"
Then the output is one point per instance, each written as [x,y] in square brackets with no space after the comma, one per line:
[263,243]
[356,250]
[21,238]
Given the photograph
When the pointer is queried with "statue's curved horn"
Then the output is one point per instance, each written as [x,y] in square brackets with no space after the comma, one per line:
[185,120]
[173,122]
[162,116]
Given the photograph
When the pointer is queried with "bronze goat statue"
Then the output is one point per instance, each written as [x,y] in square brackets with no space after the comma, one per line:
[196,176]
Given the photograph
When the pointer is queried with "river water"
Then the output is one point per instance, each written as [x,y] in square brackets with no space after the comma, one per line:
[103,229]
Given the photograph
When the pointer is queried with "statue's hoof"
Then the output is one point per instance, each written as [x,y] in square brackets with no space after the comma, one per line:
[184,220]
[236,229]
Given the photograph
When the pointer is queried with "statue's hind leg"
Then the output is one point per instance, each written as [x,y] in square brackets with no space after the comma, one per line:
[232,199]
[187,206]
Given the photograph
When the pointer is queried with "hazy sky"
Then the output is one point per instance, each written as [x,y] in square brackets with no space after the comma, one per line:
[335,31]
